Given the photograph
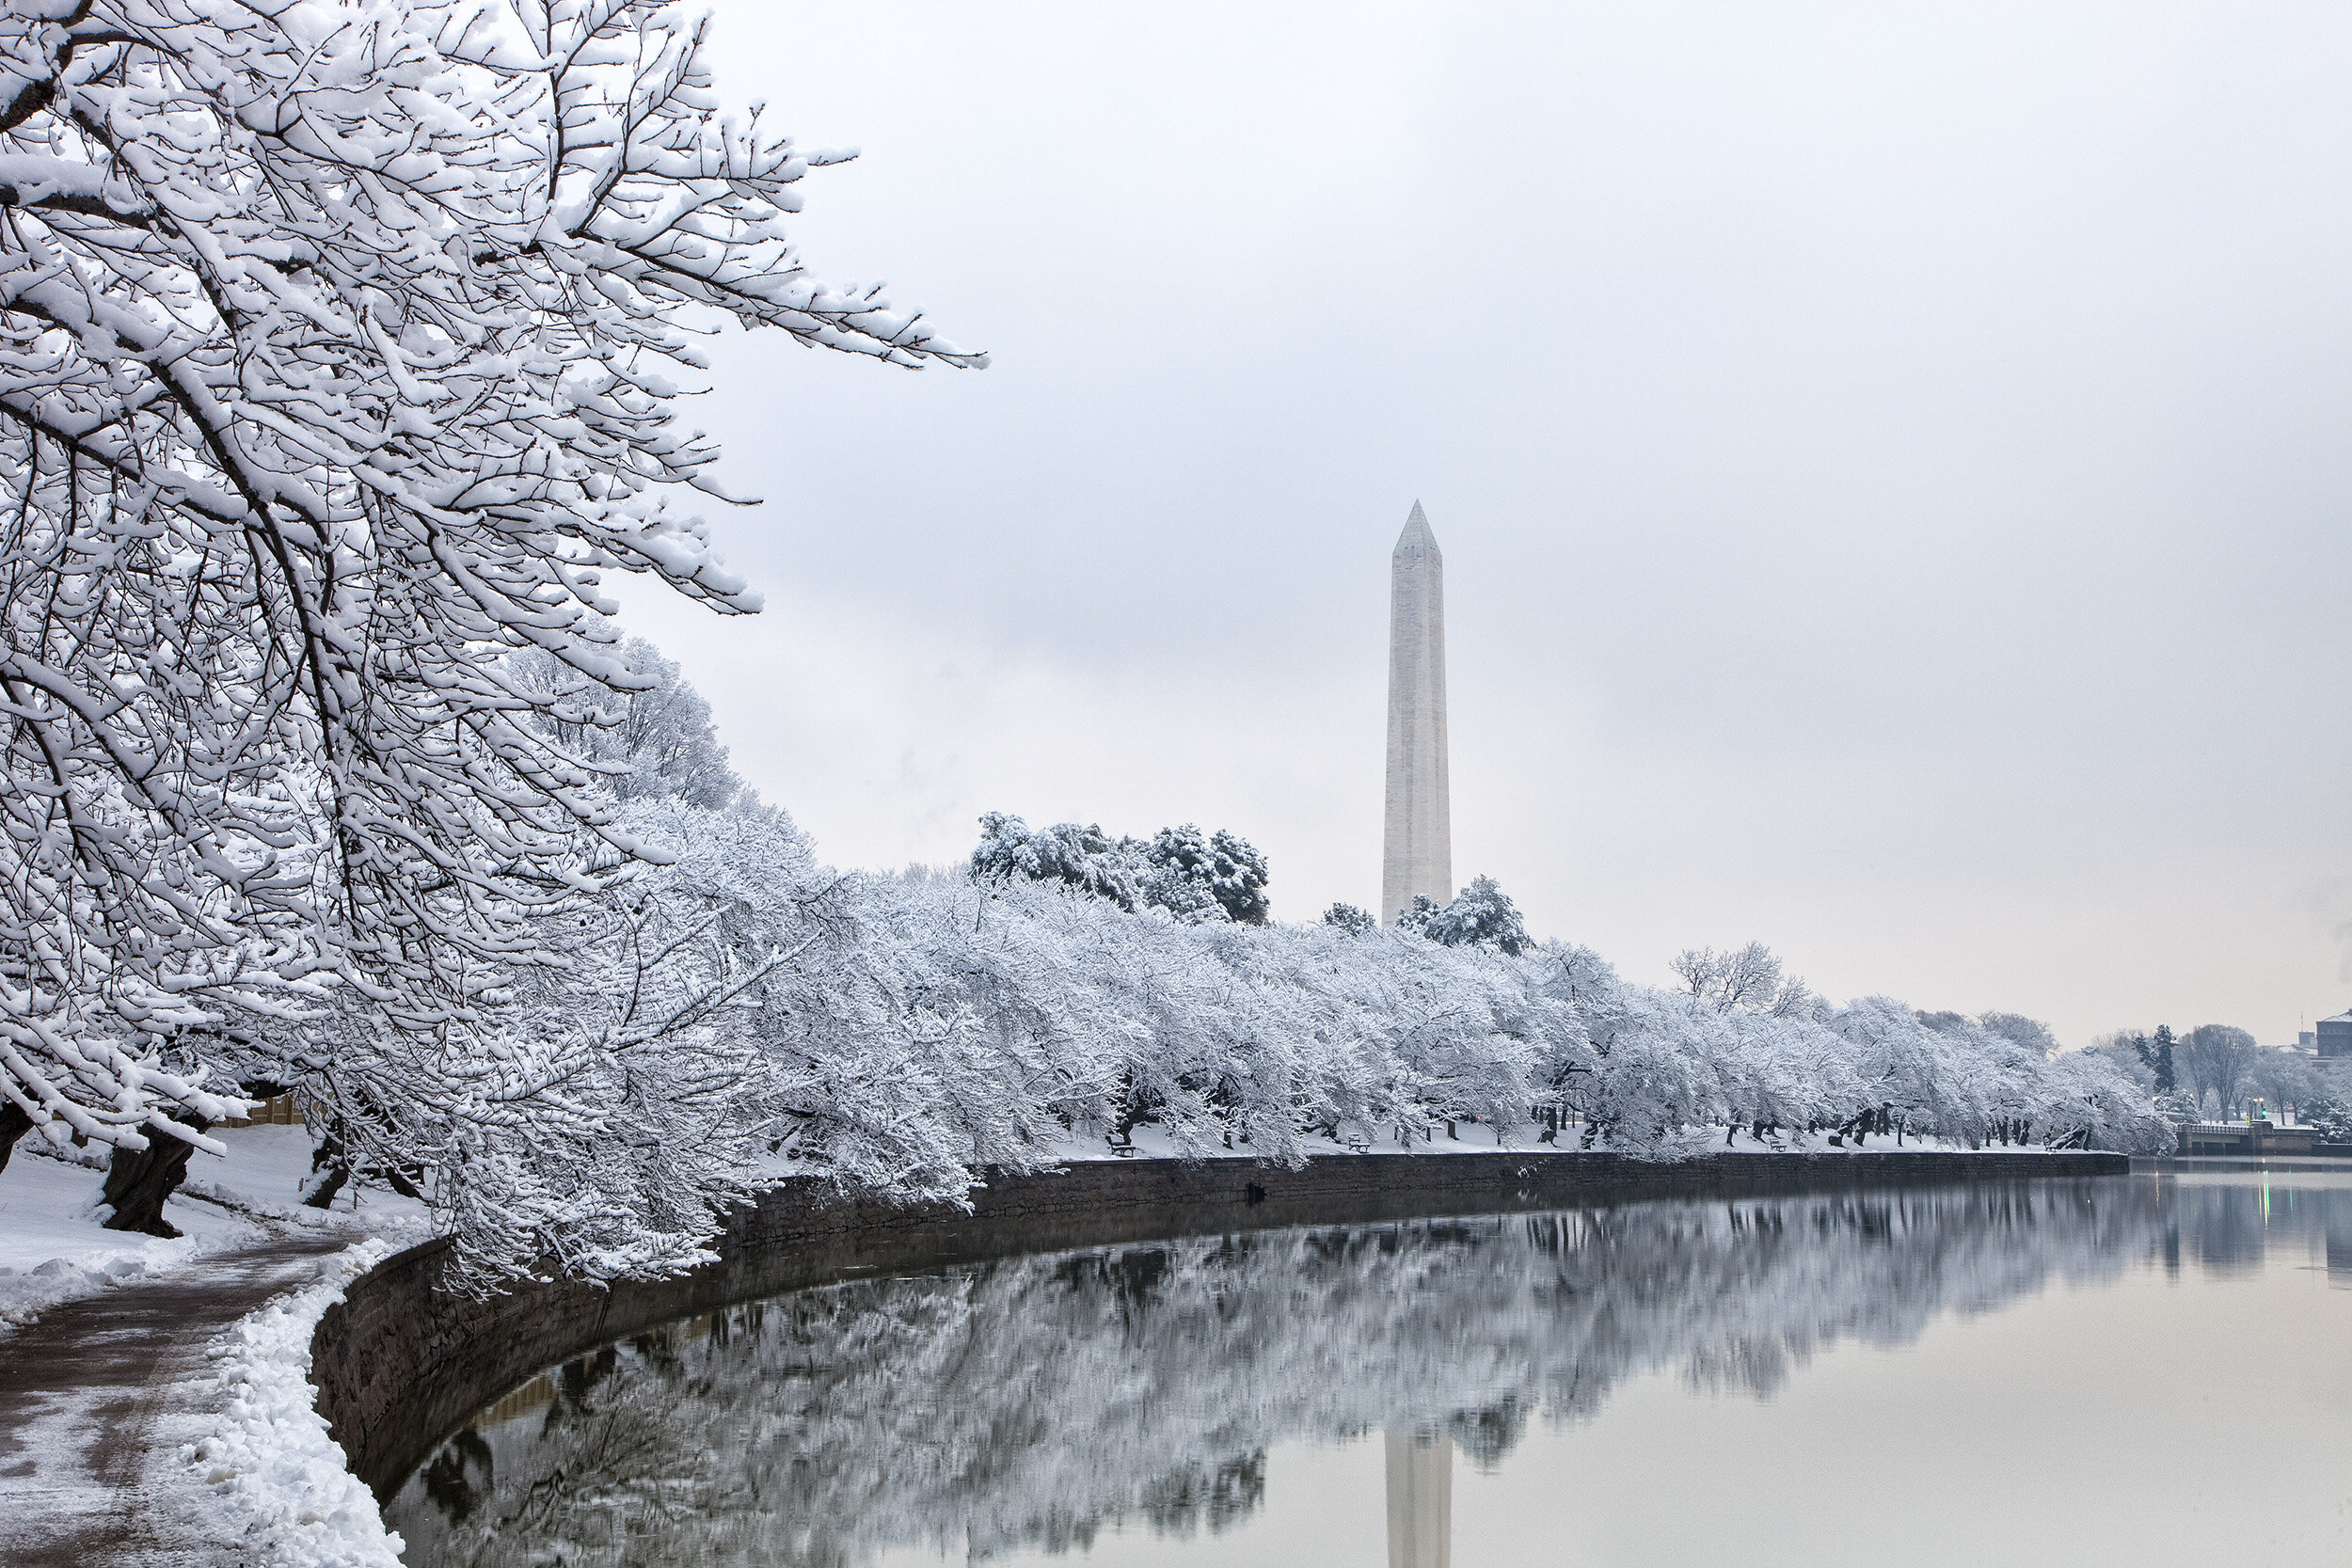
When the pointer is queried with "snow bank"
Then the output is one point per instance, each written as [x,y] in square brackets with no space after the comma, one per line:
[269,1459]
[55,1247]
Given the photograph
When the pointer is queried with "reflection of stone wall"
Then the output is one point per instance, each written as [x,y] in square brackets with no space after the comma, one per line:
[1035,1400]
[402,1364]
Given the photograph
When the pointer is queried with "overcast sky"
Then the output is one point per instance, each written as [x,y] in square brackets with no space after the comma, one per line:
[1892,464]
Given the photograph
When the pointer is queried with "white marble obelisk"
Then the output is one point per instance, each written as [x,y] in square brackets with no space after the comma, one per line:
[1417,855]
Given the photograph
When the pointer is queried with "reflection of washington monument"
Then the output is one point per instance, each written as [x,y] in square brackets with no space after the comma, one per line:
[1420,1498]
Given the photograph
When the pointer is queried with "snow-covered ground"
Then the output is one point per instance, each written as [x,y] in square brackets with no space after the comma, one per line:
[230,1459]
[1481,1138]
[54,1247]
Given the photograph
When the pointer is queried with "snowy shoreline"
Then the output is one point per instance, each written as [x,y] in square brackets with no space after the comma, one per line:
[1151,1142]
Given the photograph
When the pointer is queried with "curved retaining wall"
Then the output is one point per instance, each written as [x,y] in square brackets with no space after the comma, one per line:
[401,1364]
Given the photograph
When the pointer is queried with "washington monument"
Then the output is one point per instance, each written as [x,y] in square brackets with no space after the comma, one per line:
[1416,856]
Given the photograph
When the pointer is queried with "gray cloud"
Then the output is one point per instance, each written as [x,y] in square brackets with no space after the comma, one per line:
[1890,465]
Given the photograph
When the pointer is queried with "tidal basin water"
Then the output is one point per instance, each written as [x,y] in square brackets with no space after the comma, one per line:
[2144,1369]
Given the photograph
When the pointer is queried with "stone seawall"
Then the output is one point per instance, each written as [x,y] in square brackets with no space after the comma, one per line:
[401,1363]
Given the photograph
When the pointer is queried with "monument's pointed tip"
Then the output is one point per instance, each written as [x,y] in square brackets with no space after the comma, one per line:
[1417,532]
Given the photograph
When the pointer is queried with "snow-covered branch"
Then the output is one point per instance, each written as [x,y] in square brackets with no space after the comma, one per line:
[340,348]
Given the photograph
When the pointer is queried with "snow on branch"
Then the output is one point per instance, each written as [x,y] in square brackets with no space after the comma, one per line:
[339,355]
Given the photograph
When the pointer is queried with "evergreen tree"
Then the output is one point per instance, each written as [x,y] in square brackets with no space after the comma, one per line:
[1417,918]
[1482,915]
[1196,876]
[1082,855]
[1348,918]
[2159,1057]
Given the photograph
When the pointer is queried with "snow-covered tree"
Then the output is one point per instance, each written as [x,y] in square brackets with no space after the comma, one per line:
[1083,856]
[1481,914]
[1348,918]
[2031,1033]
[2331,1114]
[732,1012]
[339,352]
[650,740]
[1746,978]
[740,1013]
[1196,876]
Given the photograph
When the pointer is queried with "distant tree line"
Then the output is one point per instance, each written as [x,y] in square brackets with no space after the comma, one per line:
[2219,1071]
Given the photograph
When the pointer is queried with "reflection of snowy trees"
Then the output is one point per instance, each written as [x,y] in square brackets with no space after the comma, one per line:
[1032,1402]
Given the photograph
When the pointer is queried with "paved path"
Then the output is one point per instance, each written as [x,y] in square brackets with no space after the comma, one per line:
[97,1397]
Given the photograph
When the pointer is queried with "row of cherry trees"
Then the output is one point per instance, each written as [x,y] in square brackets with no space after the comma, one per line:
[730,1012]
[743,1013]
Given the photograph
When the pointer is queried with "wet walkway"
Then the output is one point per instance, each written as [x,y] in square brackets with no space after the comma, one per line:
[97,1397]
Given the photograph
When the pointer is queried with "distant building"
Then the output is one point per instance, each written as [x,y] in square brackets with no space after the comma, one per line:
[2307,1041]
[2246,1137]
[2335,1035]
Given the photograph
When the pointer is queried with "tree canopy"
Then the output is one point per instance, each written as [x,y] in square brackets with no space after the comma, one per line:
[340,350]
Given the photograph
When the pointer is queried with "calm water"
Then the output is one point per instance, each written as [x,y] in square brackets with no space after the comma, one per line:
[2142,1371]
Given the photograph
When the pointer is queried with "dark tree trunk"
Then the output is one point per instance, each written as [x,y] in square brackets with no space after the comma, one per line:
[14,1124]
[329,1156]
[138,1183]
